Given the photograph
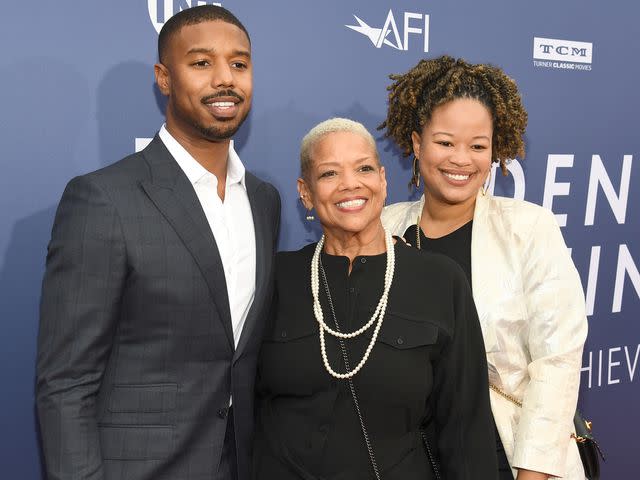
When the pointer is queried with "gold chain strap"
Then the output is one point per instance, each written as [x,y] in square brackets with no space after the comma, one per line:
[517,402]
[511,398]
[418,233]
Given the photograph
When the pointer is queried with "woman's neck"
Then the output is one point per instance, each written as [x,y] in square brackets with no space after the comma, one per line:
[370,241]
[439,218]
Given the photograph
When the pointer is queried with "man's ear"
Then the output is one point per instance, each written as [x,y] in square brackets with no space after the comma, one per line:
[305,194]
[163,79]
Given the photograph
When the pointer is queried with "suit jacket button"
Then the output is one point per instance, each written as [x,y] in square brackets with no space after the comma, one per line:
[222,413]
[400,341]
[283,334]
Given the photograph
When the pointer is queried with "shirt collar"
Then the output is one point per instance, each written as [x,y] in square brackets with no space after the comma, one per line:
[194,170]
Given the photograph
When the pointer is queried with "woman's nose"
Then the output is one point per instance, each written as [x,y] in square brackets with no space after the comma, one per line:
[460,157]
[349,181]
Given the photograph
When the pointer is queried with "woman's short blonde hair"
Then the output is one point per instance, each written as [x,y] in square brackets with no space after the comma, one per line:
[322,129]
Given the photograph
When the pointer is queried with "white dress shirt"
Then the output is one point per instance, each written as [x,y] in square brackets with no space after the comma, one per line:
[231,223]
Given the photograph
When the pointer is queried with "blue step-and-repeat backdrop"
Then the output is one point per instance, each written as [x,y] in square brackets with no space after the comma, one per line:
[77,93]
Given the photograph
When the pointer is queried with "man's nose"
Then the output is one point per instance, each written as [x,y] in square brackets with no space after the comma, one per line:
[221,76]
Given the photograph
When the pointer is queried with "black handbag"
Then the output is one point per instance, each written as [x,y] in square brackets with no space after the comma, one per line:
[588,447]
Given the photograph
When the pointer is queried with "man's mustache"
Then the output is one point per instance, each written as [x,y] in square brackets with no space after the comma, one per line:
[222,93]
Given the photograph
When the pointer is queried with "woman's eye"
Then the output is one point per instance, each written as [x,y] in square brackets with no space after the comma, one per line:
[327,174]
[444,143]
[366,168]
[478,147]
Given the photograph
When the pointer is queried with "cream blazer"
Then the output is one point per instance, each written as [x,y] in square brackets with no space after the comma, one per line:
[531,307]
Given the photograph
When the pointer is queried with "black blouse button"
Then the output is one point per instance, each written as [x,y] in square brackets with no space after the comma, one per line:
[363,260]
[400,341]
[323,429]
[283,334]
[352,290]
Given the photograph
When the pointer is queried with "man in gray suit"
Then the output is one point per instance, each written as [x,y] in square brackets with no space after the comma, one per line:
[158,279]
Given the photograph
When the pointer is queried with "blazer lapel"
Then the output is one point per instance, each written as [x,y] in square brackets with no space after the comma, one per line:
[264,254]
[172,193]
[482,268]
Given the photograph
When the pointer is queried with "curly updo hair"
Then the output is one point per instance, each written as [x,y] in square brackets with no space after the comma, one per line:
[414,95]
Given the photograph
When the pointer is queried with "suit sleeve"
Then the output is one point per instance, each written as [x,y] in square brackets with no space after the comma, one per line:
[81,290]
[557,331]
[464,427]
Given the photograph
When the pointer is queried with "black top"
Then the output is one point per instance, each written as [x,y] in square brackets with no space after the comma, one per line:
[455,245]
[427,367]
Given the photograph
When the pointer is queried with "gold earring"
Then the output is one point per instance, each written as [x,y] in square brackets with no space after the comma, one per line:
[487,184]
[415,175]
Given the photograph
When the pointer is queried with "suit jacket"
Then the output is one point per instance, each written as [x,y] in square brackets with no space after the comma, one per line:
[531,308]
[136,358]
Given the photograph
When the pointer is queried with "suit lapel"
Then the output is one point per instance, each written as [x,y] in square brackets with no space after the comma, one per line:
[172,193]
[264,249]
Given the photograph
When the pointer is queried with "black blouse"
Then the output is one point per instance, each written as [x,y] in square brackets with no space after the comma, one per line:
[428,366]
[456,245]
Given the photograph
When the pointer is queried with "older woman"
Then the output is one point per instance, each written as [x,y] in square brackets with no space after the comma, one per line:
[457,119]
[360,356]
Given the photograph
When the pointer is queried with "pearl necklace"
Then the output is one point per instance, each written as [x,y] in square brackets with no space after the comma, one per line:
[377,315]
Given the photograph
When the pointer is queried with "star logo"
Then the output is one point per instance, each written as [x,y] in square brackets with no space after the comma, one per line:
[375,34]
[389,34]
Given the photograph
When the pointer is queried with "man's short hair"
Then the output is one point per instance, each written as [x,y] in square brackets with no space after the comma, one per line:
[193,16]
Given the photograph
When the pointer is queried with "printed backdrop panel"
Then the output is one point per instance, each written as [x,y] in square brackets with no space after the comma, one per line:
[78,94]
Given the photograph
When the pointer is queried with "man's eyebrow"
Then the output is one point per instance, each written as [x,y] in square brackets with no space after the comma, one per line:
[210,51]
[200,50]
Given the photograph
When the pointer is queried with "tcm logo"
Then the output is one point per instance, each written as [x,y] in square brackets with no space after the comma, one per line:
[162,10]
[562,50]
[414,24]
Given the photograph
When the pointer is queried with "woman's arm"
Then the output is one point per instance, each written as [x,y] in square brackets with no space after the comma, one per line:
[557,323]
[529,475]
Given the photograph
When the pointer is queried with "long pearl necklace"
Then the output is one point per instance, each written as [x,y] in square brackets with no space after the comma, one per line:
[378,315]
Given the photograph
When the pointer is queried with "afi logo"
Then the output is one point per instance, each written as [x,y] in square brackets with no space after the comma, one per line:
[162,10]
[562,50]
[413,23]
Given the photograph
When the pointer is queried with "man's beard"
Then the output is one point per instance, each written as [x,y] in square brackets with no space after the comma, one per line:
[217,133]
[220,132]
